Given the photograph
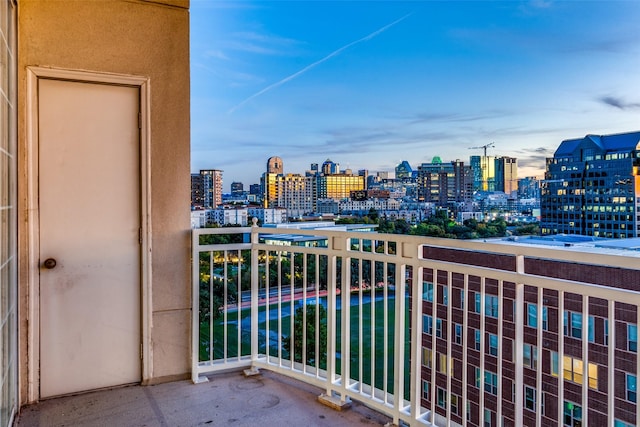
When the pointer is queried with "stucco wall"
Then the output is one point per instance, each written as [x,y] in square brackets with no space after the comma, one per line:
[144,38]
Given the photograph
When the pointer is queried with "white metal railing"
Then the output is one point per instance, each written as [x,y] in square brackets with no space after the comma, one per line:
[347,316]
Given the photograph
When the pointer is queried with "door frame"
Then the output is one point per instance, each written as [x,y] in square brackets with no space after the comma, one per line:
[34,74]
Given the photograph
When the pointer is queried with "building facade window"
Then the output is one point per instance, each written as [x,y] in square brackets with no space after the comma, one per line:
[457,333]
[488,418]
[427,357]
[491,382]
[631,390]
[426,390]
[532,316]
[441,398]
[530,356]
[632,337]
[574,371]
[493,344]
[427,292]
[476,339]
[573,324]
[439,332]
[530,398]
[572,415]
[427,324]
[490,305]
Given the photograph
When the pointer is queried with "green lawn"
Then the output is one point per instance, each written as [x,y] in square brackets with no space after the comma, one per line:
[358,314]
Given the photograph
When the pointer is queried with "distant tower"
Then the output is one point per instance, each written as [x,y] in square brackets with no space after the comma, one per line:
[212,188]
[237,189]
[330,168]
[274,165]
[403,170]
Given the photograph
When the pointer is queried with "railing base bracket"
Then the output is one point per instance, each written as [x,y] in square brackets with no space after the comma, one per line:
[251,371]
[334,402]
[201,379]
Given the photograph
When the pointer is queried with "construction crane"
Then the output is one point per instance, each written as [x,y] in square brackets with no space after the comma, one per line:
[484,147]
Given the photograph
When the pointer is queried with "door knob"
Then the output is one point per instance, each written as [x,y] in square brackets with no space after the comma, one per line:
[49,263]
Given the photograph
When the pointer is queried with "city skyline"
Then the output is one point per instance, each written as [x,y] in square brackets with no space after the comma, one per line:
[369,84]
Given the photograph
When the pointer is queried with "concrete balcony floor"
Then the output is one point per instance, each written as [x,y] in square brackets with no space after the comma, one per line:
[228,399]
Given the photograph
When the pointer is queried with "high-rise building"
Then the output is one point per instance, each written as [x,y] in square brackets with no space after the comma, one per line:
[275,165]
[506,174]
[212,188]
[484,173]
[237,189]
[296,194]
[329,167]
[338,186]
[254,189]
[444,184]
[529,188]
[197,191]
[592,187]
[404,170]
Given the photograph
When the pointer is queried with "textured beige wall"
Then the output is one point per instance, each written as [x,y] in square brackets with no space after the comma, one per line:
[144,38]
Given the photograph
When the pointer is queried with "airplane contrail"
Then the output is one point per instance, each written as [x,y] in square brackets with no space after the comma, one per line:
[318,62]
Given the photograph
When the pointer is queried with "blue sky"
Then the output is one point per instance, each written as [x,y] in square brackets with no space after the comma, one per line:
[369,84]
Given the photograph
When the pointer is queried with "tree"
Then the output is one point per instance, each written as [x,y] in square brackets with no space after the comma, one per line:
[300,323]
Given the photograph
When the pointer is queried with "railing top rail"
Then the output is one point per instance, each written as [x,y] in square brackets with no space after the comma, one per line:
[628,259]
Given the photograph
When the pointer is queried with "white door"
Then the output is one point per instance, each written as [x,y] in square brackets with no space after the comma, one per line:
[89,222]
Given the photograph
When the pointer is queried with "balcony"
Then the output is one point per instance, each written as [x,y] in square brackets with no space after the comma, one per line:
[421,331]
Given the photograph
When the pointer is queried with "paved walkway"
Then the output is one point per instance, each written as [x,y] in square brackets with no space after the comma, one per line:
[228,399]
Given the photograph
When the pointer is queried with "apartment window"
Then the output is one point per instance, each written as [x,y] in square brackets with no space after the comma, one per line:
[427,292]
[490,305]
[554,363]
[488,418]
[591,331]
[441,398]
[493,344]
[445,295]
[478,378]
[476,339]
[491,382]
[462,299]
[632,337]
[427,357]
[426,390]
[574,371]
[530,398]
[454,404]
[532,316]
[439,333]
[530,356]
[573,324]
[606,331]
[632,392]
[443,363]
[427,324]
[572,415]
[457,333]
[618,423]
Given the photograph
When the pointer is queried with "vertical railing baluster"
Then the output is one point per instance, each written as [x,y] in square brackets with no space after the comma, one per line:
[255,292]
